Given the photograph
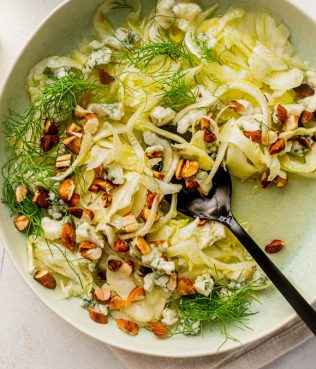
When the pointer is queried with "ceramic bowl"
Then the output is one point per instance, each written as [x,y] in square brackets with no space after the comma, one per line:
[288,214]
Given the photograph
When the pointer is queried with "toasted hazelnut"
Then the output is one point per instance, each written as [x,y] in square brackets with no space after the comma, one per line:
[236,106]
[88,215]
[73,144]
[269,137]
[205,123]
[173,282]
[303,141]
[128,267]
[158,175]
[264,179]
[304,90]
[130,222]
[104,77]
[145,215]
[306,117]
[202,222]
[281,113]
[102,295]
[97,316]
[68,236]
[291,123]
[127,326]
[179,169]
[21,222]
[107,200]
[138,294]
[85,99]
[74,128]
[185,287]
[79,112]
[66,189]
[21,193]
[277,147]
[159,329]
[116,303]
[100,184]
[191,184]
[154,154]
[50,128]
[46,279]
[274,246]
[190,169]
[63,161]
[48,142]
[254,136]
[142,245]
[121,246]
[150,199]
[74,200]
[90,251]
[91,124]
[208,136]
[114,265]
[75,212]
[280,182]
[41,198]
[99,170]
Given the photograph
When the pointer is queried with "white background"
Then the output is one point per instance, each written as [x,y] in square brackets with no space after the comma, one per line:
[31,336]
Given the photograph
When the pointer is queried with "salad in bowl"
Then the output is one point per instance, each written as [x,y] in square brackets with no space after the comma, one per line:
[115,130]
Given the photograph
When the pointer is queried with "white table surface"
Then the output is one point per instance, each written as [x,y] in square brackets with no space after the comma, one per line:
[31,336]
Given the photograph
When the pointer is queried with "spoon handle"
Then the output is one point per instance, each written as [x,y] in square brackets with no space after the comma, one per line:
[296,300]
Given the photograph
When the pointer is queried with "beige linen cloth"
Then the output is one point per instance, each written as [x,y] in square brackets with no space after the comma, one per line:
[253,356]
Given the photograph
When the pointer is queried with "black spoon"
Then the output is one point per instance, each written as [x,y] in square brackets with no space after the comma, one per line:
[216,206]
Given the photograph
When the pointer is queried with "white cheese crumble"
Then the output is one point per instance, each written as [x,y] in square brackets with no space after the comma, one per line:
[163,266]
[86,232]
[162,281]
[61,72]
[169,317]
[122,38]
[115,174]
[204,284]
[52,228]
[160,115]
[209,40]
[151,256]
[112,111]
[99,57]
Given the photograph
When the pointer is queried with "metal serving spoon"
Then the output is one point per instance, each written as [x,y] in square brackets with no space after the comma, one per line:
[216,206]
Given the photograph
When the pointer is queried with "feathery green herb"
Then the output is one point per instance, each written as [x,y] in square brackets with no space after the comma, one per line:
[56,101]
[226,305]
[207,53]
[176,94]
[163,46]
[27,162]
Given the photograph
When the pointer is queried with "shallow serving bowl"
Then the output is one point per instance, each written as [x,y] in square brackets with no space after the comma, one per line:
[270,213]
